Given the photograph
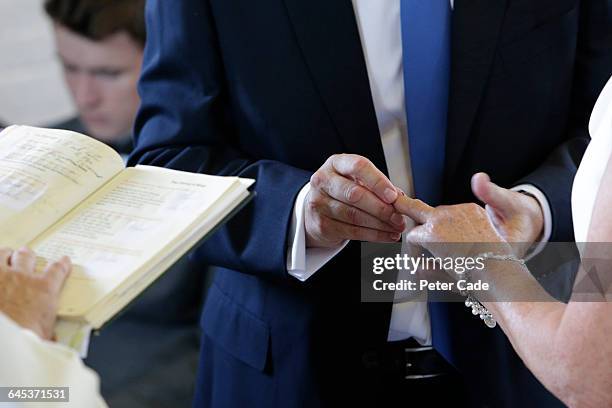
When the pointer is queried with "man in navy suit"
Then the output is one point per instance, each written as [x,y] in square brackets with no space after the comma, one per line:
[330,105]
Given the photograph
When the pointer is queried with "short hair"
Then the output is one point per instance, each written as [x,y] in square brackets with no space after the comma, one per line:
[99,19]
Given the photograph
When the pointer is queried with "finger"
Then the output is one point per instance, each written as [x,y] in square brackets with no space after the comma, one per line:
[347,214]
[57,272]
[351,193]
[364,172]
[5,257]
[500,199]
[23,260]
[355,233]
[415,209]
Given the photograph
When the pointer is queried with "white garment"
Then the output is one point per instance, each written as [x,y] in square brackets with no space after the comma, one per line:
[593,165]
[28,361]
[379,25]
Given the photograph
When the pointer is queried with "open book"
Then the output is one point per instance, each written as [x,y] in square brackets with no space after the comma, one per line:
[63,193]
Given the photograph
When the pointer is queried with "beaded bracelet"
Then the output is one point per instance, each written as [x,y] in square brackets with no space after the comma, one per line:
[477,307]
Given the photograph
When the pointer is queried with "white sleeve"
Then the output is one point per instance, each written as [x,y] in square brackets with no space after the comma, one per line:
[28,361]
[538,195]
[303,262]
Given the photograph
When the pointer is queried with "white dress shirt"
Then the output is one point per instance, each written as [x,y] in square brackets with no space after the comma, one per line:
[28,361]
[379,25]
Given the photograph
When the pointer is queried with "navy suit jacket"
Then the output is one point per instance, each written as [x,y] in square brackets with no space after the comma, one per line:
[269,89]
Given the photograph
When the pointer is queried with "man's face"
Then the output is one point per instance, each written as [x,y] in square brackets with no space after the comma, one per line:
[102,77]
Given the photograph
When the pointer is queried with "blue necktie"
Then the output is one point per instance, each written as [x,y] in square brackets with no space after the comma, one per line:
[426,26]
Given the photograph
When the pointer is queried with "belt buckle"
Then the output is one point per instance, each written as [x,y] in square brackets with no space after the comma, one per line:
[409,355]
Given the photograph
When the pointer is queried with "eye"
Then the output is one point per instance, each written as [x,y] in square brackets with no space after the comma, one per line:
[70,69]
[107,73]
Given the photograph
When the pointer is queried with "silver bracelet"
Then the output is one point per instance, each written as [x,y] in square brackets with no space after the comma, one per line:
[491,255]
[477,307]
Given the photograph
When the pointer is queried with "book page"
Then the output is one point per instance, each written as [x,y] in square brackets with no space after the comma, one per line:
[43,174]
[129,289]
[123,225]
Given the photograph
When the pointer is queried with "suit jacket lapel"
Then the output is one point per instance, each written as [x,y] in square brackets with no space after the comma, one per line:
[328,35]
[475,33]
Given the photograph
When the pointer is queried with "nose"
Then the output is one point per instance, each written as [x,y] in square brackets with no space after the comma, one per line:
[85,91]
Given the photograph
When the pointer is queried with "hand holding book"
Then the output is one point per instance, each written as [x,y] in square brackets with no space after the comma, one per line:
[62,193]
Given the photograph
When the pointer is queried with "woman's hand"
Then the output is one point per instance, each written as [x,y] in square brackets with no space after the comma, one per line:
[31,299]
[516,216]
[441,229]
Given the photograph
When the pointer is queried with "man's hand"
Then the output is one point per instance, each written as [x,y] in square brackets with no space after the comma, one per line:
[516,216]
[31,299]
[350,199]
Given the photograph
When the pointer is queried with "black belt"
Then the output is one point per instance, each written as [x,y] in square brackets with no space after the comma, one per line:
[407,359]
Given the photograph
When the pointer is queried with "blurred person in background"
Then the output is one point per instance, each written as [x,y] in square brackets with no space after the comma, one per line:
[100,45]
[148,356]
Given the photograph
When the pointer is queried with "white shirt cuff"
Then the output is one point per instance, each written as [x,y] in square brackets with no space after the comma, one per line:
[534,191]
[303,262]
